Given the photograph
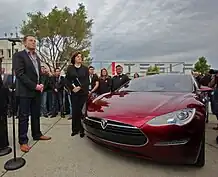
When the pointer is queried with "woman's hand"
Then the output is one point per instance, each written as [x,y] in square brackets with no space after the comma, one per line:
[76,89]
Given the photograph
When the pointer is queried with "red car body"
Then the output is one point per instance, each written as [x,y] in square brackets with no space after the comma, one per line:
[120,121]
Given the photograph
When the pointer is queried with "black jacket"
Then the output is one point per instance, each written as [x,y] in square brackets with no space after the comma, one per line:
[118,81]
[4,101]
[26,75]
[1,82]
[10,83]
[104,85]
[57,85]
[78,77]
[45,80]
[93,81]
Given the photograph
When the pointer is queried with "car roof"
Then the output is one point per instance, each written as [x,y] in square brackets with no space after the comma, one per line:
[169,74]
[175,74]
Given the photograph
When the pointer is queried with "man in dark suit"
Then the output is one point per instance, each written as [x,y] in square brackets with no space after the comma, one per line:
[26,65]
[45,80]
[58,83]
[120,79]
[93,82]
[4,143]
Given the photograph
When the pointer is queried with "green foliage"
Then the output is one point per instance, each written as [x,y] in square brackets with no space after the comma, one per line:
[60,33]
[87,60]
[201,66]
[153,70]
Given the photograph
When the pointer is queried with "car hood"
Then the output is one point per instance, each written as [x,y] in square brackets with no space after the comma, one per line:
[136,108]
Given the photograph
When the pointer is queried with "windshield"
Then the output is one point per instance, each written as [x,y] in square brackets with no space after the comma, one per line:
[160,83]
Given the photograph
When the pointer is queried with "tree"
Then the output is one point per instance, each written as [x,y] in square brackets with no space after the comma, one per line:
[153,70]
[59,34]
[201,66]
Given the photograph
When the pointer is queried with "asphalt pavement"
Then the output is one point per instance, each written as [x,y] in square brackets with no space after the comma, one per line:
[66,156]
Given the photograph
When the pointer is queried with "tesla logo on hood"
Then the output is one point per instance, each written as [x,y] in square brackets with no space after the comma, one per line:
[103,123]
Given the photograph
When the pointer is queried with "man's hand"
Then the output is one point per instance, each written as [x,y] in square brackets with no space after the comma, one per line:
[39,87]
[76,89]
[42,87]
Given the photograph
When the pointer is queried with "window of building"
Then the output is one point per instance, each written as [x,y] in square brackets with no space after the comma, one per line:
[1,52]
[9,53]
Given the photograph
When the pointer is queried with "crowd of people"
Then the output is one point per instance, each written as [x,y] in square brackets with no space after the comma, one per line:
[210,79]
[40,92]
[35,91]
[56,95]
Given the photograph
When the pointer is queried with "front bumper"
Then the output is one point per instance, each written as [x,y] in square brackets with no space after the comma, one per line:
[132,141]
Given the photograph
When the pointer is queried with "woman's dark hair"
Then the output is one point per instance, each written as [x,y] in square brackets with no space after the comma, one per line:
[91,67]
[103,69]
[136,75]
[74,56]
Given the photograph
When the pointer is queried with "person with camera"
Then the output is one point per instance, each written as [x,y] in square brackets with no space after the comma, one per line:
[214,98]
[214,101]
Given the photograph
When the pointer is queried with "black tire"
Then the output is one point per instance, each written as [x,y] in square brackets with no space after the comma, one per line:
[207,112]
[201,157]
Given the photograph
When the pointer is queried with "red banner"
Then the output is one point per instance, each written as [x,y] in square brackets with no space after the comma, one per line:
[113,68]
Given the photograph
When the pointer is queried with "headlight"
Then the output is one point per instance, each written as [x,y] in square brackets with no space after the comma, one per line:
[179,118]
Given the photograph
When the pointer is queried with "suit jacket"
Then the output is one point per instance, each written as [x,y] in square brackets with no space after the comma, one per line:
[4,80]
[60,85]
[4,102]
[93,80]
[10,83]
[3,116]
[74,75]
[46,81]
[104,85]
[1,82]
[26,75]
[118,81]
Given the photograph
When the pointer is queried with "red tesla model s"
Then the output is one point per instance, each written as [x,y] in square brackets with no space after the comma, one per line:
[158,117]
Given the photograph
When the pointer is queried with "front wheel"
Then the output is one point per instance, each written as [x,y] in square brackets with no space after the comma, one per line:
[207,113]
[201,157]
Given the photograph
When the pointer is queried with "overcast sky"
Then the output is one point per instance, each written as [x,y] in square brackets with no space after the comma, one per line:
[148,30]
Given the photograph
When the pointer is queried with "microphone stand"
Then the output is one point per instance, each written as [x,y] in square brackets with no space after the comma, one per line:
[16,162]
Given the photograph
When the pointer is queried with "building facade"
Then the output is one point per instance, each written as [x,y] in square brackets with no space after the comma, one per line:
[6,53]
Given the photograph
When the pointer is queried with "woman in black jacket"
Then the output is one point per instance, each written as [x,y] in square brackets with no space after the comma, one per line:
[77,80]
[105,82]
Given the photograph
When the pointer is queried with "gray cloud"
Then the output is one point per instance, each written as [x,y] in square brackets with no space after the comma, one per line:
[12,12]
[159,30]
[148,30]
